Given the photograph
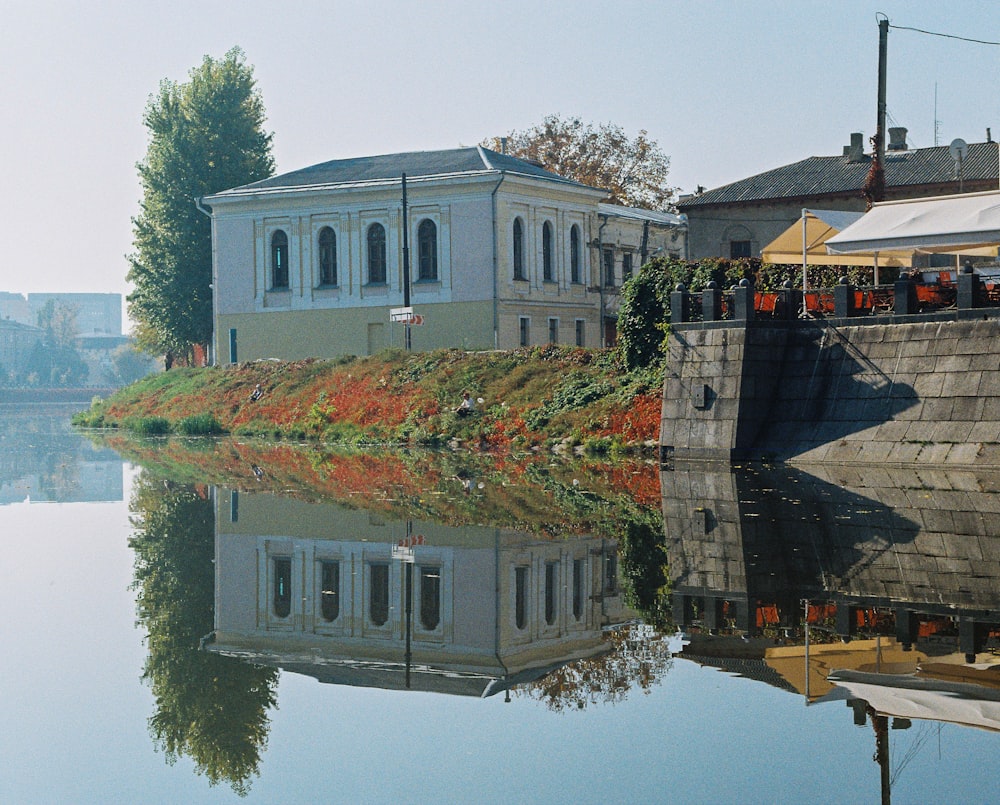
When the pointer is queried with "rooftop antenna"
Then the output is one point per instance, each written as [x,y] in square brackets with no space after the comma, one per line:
[937,123]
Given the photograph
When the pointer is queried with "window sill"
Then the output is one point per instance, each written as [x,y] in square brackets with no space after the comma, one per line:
[426,286]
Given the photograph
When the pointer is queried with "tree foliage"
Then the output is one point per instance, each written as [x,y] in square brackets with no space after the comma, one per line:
[633,170]
[206,135]
[212,708]
[644,314]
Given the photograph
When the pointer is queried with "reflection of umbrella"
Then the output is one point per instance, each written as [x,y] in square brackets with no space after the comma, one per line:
[914,697]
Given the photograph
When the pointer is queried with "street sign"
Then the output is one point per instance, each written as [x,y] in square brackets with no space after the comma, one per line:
[400,316]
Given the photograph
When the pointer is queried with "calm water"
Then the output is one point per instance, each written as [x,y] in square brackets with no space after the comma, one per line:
[205,621]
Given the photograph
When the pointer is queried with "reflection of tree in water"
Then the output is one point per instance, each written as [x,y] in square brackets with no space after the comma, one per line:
[638,659]
[208,707]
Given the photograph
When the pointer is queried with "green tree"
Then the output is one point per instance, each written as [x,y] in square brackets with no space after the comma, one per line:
[633,170]
[206,135]
[211,708]
[54,360]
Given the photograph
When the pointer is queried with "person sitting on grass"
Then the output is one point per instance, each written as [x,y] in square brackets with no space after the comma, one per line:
[256,393]
[465,407]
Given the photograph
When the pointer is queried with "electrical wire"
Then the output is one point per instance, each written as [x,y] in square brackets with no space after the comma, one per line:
[944,36]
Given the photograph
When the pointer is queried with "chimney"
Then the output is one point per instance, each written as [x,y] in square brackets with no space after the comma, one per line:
[503,145]
[897,138]
[855,152]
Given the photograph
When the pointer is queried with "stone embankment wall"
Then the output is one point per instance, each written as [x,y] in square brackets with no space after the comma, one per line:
[926,392]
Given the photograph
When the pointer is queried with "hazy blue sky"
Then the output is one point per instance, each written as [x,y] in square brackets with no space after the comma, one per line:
[728,89]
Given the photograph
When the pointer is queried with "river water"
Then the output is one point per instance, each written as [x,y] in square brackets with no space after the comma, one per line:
[220,621]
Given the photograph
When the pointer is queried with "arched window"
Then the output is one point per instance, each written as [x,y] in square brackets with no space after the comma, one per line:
[519,250]
[427,250]
[330,581]
[279,260]
[376,253]
[282,586]
[574,254]
[548,272]
[378,593]
[430,597]
[327,256]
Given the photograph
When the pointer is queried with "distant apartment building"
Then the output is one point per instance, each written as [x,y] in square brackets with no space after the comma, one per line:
[96,313]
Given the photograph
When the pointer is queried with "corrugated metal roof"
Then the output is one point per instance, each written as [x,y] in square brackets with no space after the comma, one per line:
[415,164]
[817,176]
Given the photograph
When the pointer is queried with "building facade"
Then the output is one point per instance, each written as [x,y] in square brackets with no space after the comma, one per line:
[741,218]
[502,253]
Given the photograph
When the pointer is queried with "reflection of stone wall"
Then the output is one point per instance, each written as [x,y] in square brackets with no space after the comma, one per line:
[920,392]
[928,539]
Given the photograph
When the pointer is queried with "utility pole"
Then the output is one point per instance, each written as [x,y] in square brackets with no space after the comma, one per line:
[406,264]
[883,43]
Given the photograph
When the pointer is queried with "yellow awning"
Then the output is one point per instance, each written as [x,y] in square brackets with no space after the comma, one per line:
[820,225]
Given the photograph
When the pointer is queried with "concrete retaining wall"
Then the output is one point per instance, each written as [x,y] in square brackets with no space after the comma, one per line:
[926,392]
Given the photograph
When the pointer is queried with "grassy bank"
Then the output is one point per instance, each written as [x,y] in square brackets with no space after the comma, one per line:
[554,397]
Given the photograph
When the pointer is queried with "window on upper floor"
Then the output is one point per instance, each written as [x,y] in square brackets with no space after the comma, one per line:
[548,270]
[430,597]
[427,250]
[609,268]
[521,597]
[279,260]
[574,254]
[330,590]
[519,272]
[551,592]
[376,254]
[378,593]
[626,266]
[281,579]
[327,256]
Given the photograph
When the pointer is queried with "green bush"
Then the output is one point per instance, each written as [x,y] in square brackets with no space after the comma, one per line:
[199,425]
[147,425]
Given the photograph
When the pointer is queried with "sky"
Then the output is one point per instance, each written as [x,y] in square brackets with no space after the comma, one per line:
[728,89]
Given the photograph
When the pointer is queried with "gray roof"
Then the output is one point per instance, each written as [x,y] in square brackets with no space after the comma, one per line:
[415,164]
[818,176]
[653,216]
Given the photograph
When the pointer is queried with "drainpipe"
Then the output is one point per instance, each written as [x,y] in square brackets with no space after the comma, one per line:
[600,272]
[496,266]
[200,206]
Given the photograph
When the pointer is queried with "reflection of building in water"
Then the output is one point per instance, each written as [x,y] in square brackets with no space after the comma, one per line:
[903,562]
[42,459]
[331,592]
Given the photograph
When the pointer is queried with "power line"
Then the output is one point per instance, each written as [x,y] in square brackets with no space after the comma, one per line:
[944,36]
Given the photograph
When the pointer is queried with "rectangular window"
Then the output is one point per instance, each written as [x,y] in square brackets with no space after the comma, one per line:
[626,266]
[609,268]
[581,334]
[430,597]
[330,590]
[738,249]
[520,597]
[551,591]
[281,569]
[553,331]
[525,335]
[578,568]
[232,345]
[378,593]
[234,506]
